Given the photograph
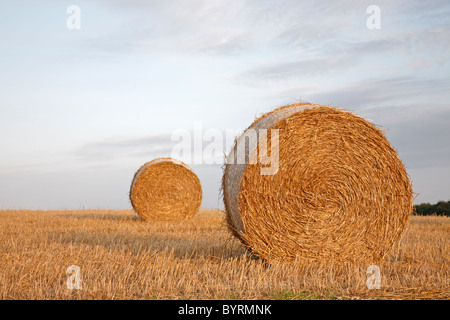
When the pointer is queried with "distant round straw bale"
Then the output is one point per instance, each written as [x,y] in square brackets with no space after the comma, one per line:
[165,189]
[333,190]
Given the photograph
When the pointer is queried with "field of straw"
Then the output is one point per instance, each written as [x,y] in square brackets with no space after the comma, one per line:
[120,256]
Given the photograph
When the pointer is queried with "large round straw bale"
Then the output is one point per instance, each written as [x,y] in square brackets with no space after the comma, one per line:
[339,191]
[165,189]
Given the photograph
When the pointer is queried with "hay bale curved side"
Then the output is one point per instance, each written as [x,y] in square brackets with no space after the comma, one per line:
[234,169]
[341,192]
[165,189]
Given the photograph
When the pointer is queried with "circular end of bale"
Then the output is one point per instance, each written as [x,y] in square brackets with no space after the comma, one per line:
[165,189]
[339,191]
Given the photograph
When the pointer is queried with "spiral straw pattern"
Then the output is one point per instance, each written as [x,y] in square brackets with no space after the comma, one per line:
[340,193]
[165,189]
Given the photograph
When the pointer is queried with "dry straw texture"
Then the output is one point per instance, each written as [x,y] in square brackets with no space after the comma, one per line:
[341,192]
[165,190]
[121,257]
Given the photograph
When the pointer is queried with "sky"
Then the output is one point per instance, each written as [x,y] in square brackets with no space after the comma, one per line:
[81,109]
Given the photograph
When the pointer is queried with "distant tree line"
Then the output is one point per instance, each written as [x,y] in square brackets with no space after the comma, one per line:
[442,208]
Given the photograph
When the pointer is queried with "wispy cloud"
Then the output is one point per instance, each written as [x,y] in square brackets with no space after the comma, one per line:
[114,148]
[298,69]
[394,91]
[217,27]
[202,146]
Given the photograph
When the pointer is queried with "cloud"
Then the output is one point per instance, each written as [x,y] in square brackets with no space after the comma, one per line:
[291,40]
[298,69]
[414,111]
[394,91]
[217,27]
[116,148]
[420,134]
[198,146]
[428,186]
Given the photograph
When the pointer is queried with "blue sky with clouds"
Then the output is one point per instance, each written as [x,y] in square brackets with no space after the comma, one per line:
[81,110]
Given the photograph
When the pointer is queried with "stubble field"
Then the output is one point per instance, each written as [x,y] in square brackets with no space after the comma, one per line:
[121,256]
